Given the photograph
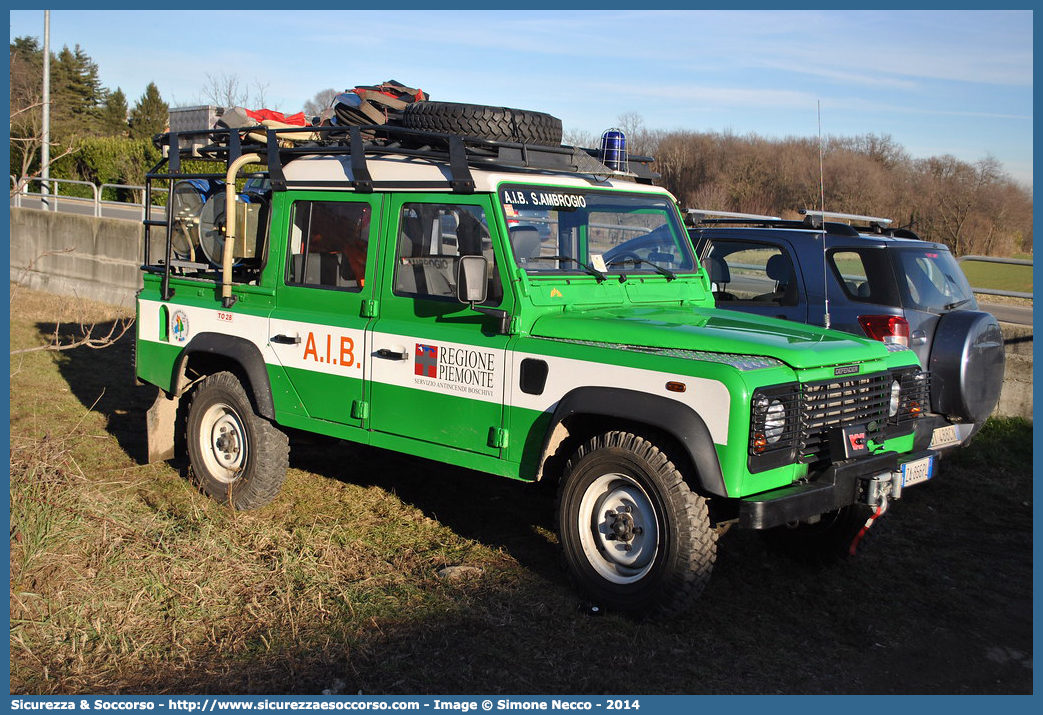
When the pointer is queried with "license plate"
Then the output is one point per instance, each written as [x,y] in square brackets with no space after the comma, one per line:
[944,436]
[918,471]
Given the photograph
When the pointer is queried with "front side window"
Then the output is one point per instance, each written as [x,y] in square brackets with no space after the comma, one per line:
[329,241]
[749,272]
[431,239]
[564,230]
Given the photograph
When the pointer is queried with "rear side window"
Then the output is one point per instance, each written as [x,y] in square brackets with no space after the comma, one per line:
[329,241]
[865,275]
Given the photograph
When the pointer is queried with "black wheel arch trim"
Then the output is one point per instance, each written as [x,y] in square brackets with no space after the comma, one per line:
[239,350]
[674,418]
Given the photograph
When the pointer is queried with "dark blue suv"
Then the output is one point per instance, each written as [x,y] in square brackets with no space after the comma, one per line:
[873,280]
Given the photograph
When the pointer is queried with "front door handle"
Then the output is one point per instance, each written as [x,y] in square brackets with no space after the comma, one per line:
[287,339]
[390,354]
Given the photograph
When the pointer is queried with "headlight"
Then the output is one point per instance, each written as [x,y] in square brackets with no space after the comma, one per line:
[769,420]
[774,421]
[896,398]
[910,395]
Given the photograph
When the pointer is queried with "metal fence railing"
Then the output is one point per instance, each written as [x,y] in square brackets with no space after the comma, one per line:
[51,200]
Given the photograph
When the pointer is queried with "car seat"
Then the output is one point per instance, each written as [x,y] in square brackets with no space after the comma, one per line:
[720,276]
[525,242]
[779,269]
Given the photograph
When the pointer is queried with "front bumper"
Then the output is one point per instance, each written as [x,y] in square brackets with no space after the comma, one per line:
[865,481]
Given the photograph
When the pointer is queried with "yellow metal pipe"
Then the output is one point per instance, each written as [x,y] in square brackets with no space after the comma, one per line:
[227,256]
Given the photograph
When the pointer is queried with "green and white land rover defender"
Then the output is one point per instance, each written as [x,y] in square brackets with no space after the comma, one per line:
[449,297]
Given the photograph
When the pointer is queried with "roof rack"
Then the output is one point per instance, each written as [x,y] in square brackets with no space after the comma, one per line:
[817,217]
[813,220]
[699,216]
[283,145]
[876,224]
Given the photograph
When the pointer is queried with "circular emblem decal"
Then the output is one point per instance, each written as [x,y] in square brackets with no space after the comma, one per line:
[179,326]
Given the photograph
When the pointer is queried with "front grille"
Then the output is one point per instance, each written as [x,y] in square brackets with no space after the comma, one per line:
[812,411]
[834,403]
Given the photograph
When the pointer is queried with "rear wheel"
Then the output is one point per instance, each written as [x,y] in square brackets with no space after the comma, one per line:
[634,536]
[236,456]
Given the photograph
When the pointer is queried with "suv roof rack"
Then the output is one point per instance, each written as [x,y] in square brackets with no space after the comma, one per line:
[819,216]
[814,220]
[699,216]
[876,224]
[281,146]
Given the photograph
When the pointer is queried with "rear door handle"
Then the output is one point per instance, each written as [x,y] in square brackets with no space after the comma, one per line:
[389,354]
[917,337]
[287,339]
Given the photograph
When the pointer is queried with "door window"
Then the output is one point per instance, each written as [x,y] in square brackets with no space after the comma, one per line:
[431,239]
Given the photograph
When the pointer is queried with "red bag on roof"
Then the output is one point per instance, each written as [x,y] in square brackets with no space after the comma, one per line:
[262,114]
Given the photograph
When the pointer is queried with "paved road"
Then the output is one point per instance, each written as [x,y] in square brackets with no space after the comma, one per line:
[85,207]
[1021,314]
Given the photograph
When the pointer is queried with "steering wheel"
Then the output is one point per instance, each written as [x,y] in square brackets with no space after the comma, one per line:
[625,257]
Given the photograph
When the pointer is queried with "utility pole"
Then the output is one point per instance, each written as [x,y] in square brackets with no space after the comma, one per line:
[45,149]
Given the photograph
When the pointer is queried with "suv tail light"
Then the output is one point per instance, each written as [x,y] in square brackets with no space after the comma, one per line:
[886,328]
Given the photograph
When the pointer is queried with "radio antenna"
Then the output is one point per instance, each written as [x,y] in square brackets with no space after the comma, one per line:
[822,207]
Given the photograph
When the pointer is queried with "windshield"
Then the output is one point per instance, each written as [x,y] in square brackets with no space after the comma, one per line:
[931,279]
[555,230]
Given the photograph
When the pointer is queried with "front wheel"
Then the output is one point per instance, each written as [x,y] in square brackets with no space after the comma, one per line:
[237,457]
[634,536]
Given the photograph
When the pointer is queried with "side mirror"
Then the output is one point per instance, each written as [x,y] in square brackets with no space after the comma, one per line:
[472,279]
[472,286]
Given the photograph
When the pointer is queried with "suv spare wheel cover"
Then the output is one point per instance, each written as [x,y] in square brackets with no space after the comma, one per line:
[966,365]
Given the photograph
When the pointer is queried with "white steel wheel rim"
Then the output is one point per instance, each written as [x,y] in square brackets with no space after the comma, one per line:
[222,436]
[615,499]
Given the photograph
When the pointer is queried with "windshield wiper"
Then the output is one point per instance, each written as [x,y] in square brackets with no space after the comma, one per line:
[956,304]
[670,275]
[589,269]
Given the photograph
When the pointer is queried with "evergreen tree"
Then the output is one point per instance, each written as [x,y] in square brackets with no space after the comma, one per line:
[114,115]
[149,115]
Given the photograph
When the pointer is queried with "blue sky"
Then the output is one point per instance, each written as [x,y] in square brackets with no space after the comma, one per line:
[938,82]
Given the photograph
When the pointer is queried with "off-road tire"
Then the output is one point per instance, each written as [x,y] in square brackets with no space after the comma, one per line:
[670,560]
[235,456]
[827,541]
[484,122]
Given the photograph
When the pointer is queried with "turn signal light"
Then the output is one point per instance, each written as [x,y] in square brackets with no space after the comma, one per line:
[760,442]
[886,328]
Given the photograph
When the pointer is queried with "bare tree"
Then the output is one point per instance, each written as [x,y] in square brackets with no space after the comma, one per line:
[225,90]
[260,98]
[29,144]
[321,101]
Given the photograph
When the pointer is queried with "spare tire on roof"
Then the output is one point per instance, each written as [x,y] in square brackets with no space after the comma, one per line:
[484,122]
[967,361]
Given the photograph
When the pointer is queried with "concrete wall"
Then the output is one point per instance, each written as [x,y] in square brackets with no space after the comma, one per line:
[103,263]
[1016,397]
